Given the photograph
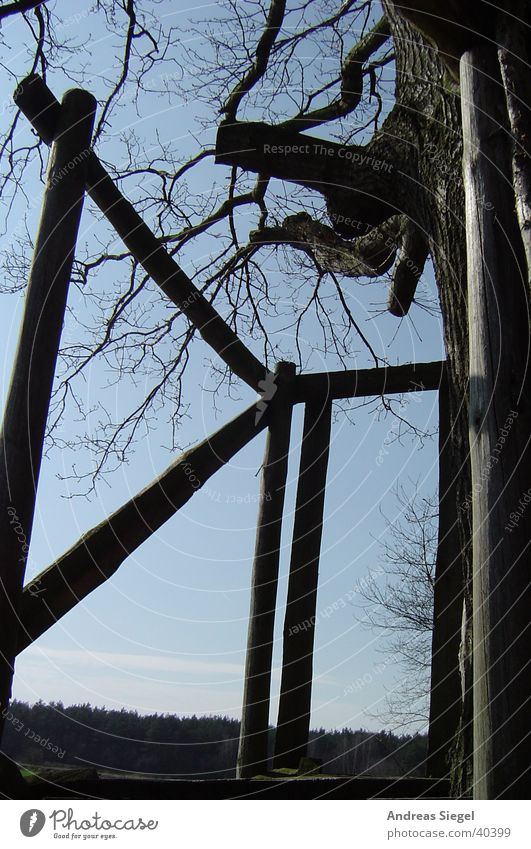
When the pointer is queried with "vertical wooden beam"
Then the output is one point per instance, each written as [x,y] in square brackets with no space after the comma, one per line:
[445,690]
[254,732]
[297,664]
[28,400]
[500,433]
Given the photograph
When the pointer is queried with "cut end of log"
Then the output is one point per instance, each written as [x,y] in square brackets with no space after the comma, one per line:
[38,104]
[43,110]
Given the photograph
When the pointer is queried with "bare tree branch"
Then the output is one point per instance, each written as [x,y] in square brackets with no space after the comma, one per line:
[352,75]
[398,602]
[413,253]
[274,21]
[369,256]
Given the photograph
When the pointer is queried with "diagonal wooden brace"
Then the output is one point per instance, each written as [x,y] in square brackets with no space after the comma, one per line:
[100,552]
[37,102]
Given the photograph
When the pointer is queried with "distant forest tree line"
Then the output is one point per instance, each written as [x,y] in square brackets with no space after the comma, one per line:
[165,744]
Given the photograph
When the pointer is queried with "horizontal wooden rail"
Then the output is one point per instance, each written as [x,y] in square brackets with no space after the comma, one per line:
[392,380]
[101,551]
[37,102]
[346,787]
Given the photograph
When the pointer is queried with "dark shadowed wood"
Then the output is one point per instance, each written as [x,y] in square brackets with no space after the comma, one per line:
[254,731]
[40,107]
[414,377]
[513,36]
[297,663]
[445,693]
[414,252]
[100,552]
[28,399]
[326,166]
[500,431]
[451,25]
[283,152]
[231,788]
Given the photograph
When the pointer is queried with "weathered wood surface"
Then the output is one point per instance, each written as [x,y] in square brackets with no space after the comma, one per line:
[293,724]
[254,731]
[41,108]
[101,551]
[445,689]
[345,787]
[28,399]
[389,380]
[500,433]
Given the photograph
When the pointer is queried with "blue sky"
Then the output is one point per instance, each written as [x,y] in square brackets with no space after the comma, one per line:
[168,632]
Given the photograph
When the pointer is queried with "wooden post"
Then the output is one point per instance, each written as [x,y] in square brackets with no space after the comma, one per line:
[297,664]
[500,433]
[254,732]
[445,690]
[28,399]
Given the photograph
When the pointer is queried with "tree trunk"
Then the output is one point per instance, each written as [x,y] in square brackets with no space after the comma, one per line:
[513,38]
[411,166]
[424,89]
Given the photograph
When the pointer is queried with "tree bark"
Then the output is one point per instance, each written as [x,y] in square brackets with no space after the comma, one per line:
[369,183]
[500,434]
[414,251]
[421,141]
[370,256]
[425,92]
[452,26]
[513,37]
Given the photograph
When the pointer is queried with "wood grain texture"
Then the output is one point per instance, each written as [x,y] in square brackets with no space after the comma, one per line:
[500,433]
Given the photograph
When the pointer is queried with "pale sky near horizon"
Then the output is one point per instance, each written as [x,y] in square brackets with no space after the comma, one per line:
[167,633]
